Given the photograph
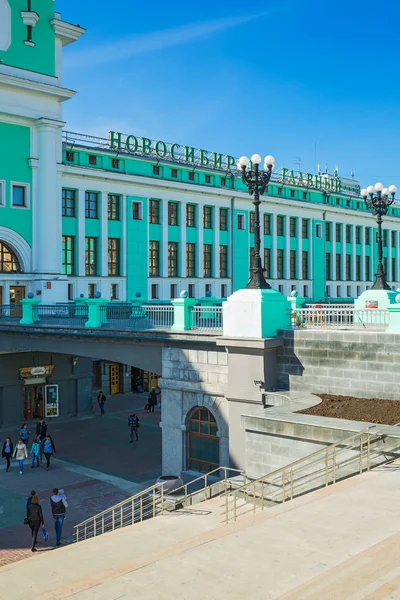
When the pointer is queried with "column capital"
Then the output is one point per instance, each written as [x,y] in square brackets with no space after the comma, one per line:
[50,124]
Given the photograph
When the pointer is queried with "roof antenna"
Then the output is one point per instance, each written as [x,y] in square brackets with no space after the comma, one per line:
[336,171]
[326,167]
[319,169]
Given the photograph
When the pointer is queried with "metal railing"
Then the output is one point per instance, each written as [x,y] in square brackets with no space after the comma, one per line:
[161,316]
[153,501]
[206,317]
[331,305]
[10,312]
[137,317]
[328,465]
[343,318]
[61,315]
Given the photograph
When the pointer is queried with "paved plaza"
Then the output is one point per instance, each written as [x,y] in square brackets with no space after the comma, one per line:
[95,464]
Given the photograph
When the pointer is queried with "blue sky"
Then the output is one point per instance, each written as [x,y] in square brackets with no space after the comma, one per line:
[296,79]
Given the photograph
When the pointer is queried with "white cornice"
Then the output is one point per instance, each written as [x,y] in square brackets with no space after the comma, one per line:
[36,86]
[66,32]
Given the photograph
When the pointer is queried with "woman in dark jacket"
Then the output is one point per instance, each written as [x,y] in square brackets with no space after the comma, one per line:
[7,452]
[34,516]
[41,429]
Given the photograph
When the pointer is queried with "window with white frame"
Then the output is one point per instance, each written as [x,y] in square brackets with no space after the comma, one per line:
[19,195]
[2,193]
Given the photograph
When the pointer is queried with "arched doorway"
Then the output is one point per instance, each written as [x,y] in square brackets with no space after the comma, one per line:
[203,441]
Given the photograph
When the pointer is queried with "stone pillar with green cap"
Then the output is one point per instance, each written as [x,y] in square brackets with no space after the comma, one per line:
[394,315]
[296,302]
[29,310]
[97,314]
[183,312]
[80,305]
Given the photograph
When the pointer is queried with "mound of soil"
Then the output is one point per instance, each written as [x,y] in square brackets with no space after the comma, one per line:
[372,410]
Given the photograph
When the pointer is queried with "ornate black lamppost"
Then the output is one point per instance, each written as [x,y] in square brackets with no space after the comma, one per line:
[256,181]
[379,203]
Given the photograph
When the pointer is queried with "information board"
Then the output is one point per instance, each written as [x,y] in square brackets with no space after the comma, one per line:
[51,400]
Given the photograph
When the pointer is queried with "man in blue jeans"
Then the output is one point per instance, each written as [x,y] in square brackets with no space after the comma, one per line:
[58,504]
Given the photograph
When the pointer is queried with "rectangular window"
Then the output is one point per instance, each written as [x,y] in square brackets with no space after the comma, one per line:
[115,164]
[91,290]
[280,225]
[293,223]
[304,195]
[280,191]
[173,290]
[113,207]
[156,171]
[114,256]
[359,286]
[154,211]
[223,290]
[70,291]
[190,260]
[223,181]
[68,203]
[358,234]
[90,256]
[338,291]
[348,267]
[154,259]
[251,223]
[19,195]
[173,213]
[393,239]
[293,264]
[208,178]
[91,205]
[305,291]
[92,159]
[207,288]
[393,278]
[207,217]
[223,219]
[251,261]
[338,232]
[68,255]
[338,267]
[173,259]
[304,264]
[348,234]
[70,156]
[280,264]
[154,291]
[223,261]
[318,230]
[267,224]
[328,266]
[190,215]
[367,274]
[267,262]
[358,267]
[328,231]
[191,290]
[304,228]
[174,173]
[191,176]
[367,236]
[240,222]
[349,295]
[328,291]
[136,211]
[2,193]
[292,193]
[114,291]
[207,260]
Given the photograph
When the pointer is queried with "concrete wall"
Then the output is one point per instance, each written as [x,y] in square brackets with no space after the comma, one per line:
[364,364]
[191,378]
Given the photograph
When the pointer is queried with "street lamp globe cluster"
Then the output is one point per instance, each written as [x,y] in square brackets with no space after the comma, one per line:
[256,181]
[378,199]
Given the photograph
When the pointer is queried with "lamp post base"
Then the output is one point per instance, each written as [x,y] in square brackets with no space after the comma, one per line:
[375,299]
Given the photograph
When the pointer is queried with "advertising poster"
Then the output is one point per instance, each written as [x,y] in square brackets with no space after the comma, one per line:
[51,400]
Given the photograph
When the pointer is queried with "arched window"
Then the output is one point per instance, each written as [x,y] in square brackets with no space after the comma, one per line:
[203,442]
[9,263]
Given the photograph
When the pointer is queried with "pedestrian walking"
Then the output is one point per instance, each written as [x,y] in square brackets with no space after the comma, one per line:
[29,499]
[152,400]
[35,452]
[48,449]
[20,453]
[58,504]
[7,452]
[41,429]
[24,434]
[133,424]
[101,400]
[34,518]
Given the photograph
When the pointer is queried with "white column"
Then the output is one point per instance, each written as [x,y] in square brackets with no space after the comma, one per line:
[363,254]
[123,235]
[274,253]
[81,232]
[47,204]
[164,240]
[333,253]
[344,252]
[103,241]
[353,253]
[299,252]
[216,245]
[287,246]
[182,253]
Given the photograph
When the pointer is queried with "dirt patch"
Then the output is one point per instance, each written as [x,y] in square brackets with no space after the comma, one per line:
[372,410]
